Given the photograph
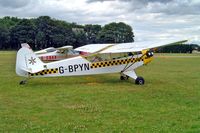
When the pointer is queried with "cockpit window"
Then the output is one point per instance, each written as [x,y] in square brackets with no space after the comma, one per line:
[107,57]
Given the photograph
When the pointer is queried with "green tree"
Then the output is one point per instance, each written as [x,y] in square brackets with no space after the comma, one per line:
[116,33]
[43,31]
[9,22]
[23,32]
[40,39]
[51,32]
[4,37]
[91,32]
[80,39]
[62,34]
[6,24]
[184,48]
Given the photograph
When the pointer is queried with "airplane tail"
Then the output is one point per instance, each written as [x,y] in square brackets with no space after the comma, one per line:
[25,45]
[27,62]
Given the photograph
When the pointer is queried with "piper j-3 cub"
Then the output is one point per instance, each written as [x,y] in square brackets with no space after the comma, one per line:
[121,58]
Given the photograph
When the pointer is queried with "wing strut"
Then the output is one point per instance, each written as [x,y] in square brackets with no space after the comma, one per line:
[136,59]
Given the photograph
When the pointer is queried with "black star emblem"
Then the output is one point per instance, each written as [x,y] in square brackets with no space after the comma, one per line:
[32,61]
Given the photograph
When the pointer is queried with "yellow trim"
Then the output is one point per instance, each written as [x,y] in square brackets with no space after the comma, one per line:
[144,51]
[147,60]
[114,62]
[45,72]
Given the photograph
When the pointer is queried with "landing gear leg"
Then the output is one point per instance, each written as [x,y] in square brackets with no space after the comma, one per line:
[132,74]
[124,77]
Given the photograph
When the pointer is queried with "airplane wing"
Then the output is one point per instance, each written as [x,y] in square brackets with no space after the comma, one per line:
[126,47]
[139,46]
[93,48]
[65,47]
[52,49]
[46,50]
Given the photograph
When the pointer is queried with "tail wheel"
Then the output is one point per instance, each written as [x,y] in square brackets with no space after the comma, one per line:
[139,81]
[23,82]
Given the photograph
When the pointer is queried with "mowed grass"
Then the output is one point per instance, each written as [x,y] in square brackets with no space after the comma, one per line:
[168,102]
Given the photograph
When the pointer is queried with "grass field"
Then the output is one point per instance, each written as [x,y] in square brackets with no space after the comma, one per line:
[168,102]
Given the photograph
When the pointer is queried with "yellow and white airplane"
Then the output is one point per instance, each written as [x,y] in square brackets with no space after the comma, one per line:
[121,58]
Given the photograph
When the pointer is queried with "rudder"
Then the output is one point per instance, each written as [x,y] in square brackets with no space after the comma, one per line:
[28,62]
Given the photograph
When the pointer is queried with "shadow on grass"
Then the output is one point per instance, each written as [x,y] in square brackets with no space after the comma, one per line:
[94,80]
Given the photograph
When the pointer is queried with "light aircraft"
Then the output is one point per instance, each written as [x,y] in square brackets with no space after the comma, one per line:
[54,54]
[121,58]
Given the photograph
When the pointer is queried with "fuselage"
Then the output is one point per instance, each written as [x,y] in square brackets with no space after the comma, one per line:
[81,66]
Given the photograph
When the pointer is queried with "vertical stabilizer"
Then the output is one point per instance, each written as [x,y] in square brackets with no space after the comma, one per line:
[28,62]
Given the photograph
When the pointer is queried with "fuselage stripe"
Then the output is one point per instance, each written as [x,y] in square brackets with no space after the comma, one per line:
[113,63]
[44,72]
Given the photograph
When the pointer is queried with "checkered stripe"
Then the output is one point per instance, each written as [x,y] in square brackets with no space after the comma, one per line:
[44,72]
[114,62]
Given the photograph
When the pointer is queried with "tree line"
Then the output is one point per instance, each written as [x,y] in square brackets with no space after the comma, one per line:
[44,31]
[177,48]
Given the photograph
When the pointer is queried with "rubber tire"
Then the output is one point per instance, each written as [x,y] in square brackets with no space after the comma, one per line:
[122,78]
[139,81]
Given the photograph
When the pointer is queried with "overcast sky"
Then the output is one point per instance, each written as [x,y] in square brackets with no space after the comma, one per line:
[157,19]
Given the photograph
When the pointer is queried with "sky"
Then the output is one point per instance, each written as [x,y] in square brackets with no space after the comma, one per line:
[150,19]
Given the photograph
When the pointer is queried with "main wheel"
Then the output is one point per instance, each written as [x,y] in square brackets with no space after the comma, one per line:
[139,81]
[122,78]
